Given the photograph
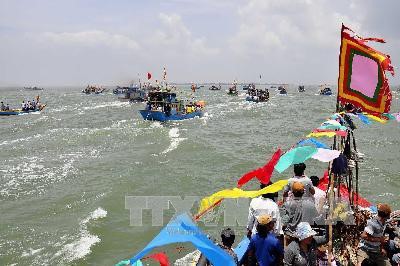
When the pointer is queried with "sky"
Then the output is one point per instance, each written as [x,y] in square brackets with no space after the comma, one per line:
[111,42]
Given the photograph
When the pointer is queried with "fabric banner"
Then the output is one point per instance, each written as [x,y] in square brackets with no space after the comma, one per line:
[296,155]
[362,78]
[182,229]
[314,142]
[325,155]
[238,193]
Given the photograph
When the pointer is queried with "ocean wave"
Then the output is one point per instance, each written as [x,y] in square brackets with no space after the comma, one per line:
[81,246]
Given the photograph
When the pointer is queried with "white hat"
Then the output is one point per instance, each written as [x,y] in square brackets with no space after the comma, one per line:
[304,230]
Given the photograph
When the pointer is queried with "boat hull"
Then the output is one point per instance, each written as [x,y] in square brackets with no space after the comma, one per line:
[8,113]
[326,93]
[160,116]
[251,99]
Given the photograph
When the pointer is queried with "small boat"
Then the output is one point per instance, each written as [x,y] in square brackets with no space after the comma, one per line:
[232,91]
[215,88]
[164,106]
[93,90]
[33,88]
[120,90]
[257,95]
[20,111]
[282,90]
[301,89]
[133,94]
[325,91]
[246,87]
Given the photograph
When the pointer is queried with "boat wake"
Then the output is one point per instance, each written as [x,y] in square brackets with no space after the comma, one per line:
[82,246]
[175,140]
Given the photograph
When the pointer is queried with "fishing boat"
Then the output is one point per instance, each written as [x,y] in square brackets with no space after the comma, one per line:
[133,94]
[282,90]
[33,88]
[215,88]
[232,90]
[301,88]
[325,91]
[93,90]
[120,90]
[257,95]
[164,106]
[20,111]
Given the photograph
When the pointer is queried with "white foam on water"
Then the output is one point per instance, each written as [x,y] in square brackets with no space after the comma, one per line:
[8,142]
[175,140]
[156,124]
[31,252]
[104,105]
[82,246]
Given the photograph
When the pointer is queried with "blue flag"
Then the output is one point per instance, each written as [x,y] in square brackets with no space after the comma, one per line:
[182,229]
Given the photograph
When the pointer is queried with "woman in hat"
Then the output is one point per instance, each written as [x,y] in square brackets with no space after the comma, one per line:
[303,250]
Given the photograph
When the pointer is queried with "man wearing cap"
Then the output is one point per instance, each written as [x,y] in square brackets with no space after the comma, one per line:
[264,204]
[264,248]
[303,250]
[373,239]
[299,176]
[298,210]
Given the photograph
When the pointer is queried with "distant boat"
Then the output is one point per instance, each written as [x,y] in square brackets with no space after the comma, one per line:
[133,94]
[93,90]
[282,90]
[301,89]
[257,95]
[325,91]
[120,90]
[215,88]
[164,106]
[232,91]
[33,88]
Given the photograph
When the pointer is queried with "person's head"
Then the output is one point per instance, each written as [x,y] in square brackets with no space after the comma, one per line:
[384,211]
[271,196]
[314,180]
[265,224]
[305,233]
[298,189]
[299,169]
[227,237]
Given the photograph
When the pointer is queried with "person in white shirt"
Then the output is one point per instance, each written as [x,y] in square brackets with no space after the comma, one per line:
[264,204]
[319,196]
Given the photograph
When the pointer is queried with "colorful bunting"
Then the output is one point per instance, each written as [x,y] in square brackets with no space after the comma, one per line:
[325,155]
[377,119]
[314,142]
[364,119]
[296,155]
[160,257]
[321,134]
[362,79]
[234,193]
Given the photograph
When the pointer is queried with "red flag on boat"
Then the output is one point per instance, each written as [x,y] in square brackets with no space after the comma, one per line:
[148,75]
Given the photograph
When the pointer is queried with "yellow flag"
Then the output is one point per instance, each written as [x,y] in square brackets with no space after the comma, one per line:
[321,134]
[238,193]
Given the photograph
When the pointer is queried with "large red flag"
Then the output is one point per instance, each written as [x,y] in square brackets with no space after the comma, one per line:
[263,173]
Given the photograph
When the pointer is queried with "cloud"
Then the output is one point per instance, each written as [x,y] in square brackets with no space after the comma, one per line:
[91,39]
[268,27]
[176,37]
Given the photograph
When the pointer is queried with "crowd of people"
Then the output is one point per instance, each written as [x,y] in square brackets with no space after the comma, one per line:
[258,94]
[4,107]
[293,232]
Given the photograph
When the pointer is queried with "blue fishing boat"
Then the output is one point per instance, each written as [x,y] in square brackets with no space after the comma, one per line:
[164,106]
[20,111]
[325,91]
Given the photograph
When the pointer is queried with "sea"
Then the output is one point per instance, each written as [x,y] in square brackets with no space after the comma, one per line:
[65,173]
